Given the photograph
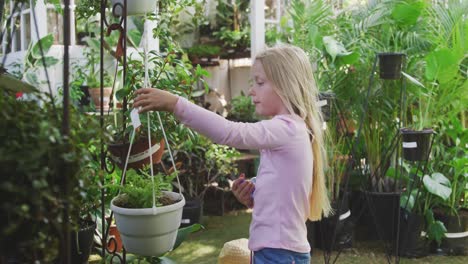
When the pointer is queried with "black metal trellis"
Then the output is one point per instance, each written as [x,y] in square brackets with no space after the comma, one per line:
[122,25]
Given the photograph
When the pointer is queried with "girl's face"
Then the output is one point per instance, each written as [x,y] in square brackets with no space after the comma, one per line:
[266,100]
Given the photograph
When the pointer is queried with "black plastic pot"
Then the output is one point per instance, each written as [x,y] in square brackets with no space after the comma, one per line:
[192,212]
[416,144]
[411,243]
[455,242]
[390,65]
[380,217]
[213,201]
[325,102]
[325,229]
[81,243]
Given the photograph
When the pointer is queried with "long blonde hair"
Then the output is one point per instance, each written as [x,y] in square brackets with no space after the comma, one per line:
[289,69]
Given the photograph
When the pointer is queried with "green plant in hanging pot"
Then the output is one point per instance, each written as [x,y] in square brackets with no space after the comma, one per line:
[167,72]
[148,213]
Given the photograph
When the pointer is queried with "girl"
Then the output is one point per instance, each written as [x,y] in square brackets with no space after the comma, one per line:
[290,184]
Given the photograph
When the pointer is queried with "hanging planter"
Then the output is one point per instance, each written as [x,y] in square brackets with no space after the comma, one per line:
[416,144]
[390,65]
[134,7]
[149,231]
[139,155]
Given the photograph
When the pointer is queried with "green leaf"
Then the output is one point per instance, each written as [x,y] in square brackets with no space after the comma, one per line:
[441,65]
[436,184]
[413,80]
[184,232]
[46,42]
[198,93]
[407,14]
[49,61]
[349,59]
[334,48]
[32,79]
[435,229]
[122,93]
[8,82]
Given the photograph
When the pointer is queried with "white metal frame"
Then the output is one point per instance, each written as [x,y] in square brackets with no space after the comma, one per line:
[40,11]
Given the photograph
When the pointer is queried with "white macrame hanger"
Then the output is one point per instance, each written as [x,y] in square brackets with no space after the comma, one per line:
[146,85]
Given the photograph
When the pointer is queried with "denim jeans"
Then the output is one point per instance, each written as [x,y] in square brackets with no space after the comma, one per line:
[280,256]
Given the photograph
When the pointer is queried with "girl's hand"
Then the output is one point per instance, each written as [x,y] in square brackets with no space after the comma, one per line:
[243,190]
[152,99]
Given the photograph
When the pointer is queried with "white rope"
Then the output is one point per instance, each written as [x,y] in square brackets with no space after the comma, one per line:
[126,160]
[145,84]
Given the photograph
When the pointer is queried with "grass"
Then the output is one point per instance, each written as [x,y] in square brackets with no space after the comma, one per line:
[204,247]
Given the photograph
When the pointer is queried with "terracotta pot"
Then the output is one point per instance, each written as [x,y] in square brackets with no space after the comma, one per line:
[139,155]
[116,244]
[95,94]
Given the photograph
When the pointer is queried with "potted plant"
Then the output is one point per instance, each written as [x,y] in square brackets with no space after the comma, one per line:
[82,237]
[335,232]
[147,228]
[167,73]
[204,54]
[205,168]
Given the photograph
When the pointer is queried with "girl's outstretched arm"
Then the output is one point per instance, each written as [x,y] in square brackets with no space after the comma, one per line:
[261,135]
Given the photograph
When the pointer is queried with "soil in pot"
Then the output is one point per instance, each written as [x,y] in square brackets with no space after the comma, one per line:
[416,144]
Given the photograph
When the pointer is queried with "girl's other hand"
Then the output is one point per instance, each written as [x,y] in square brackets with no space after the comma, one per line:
[243,190]
[152,99]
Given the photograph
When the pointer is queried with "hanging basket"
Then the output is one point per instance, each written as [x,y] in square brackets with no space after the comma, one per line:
[416,144]
[134,7]
[148,231]
[139,155]
[390,65]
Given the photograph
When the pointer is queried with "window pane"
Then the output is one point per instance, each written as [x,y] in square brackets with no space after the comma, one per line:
[55,25]
[27,29]
[17,34]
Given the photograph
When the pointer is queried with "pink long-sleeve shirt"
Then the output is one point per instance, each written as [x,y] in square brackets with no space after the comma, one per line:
[284,176]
